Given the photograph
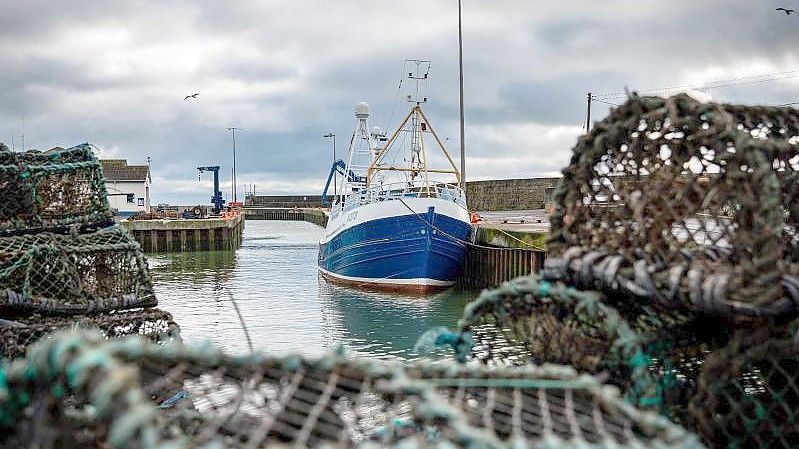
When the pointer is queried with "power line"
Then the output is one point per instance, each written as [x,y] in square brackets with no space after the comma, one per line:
[603,101]
[753,79]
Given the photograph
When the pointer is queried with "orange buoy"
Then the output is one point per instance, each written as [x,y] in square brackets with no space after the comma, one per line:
[474,218]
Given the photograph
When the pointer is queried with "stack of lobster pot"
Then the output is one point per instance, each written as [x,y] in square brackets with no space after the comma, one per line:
[672,269]
[63,261]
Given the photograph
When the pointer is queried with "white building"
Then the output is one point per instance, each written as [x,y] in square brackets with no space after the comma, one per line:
[128,186]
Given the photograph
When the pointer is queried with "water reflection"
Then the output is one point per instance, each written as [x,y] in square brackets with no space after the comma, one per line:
[378,324]
[286,305]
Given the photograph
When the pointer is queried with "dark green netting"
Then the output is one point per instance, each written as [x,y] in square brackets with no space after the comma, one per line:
[740,382]
[17,334]
[80,390]
[683,204]
[67,274]
[748,393]
[51,190]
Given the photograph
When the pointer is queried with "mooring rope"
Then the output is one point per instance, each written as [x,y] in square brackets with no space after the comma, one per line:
[241,319]
[459,240]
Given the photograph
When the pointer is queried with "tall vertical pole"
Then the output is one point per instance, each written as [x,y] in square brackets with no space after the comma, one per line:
[233,172]
[588,114]
[463,134]
[234,164]
[335,186]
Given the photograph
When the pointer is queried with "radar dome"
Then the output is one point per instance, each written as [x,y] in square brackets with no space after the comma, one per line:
[376,131]
[362,110]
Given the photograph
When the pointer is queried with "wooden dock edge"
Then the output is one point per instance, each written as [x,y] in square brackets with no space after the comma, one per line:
[187,235]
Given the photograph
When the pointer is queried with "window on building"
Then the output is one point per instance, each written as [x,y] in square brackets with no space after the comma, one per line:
[141,202]
[130,197]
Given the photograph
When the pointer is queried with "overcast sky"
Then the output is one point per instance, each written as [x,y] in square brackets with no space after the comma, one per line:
[114,73]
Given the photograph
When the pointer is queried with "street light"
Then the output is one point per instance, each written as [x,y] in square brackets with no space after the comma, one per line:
[335,187]
[463,134]
[233,172]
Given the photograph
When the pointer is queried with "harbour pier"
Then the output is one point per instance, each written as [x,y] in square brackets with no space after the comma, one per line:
[187,235]
[311,215]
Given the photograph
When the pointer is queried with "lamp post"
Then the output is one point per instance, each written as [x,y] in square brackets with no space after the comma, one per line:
[335,187]
[460,66]
[233,172]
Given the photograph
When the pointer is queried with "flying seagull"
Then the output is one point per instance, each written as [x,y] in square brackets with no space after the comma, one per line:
[787,12]
[191,96]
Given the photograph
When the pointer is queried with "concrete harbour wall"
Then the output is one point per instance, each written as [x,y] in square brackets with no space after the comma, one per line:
[315,216]
[284,201]
[510,194]
[492,195]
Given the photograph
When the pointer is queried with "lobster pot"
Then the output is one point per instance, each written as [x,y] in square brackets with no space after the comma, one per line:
[653,359]
[748,392]
[684,205]
[205,398]
[735,387]
[153,324]
[74,273]
[51,190]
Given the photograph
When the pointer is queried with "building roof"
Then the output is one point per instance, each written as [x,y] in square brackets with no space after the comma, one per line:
[119,170]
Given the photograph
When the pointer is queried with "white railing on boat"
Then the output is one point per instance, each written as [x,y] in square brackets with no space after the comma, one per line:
[398,190]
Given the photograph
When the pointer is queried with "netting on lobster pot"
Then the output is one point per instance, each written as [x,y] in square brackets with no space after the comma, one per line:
[199,397]
[653,358]
[748,394]
[682,204]
[64,274]
[17,334]
[52,190]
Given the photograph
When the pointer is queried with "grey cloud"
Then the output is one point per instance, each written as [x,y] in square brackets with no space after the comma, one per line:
[288,72]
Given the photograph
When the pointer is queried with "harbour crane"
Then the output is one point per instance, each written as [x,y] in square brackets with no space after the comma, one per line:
[217,199]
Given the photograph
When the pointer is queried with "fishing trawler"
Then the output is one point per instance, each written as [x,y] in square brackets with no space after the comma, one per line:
[395,223]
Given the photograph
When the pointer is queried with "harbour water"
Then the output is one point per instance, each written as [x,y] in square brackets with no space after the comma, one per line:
[285,304]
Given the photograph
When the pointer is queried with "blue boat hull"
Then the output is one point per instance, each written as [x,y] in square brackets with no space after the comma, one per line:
[404,252]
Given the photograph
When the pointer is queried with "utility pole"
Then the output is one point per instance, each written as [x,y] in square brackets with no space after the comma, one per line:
[233,173]
[463,133]
[588,114]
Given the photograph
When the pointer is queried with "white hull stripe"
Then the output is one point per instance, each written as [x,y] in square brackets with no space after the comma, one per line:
[388,209]
[390,281]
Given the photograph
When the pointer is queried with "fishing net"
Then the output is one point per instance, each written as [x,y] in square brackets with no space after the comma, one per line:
[684,205]
[73,273]
[78,390]
[154,324]
[51,190]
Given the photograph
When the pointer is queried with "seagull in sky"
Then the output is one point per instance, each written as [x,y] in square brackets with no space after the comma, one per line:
[191,96]
[787,12]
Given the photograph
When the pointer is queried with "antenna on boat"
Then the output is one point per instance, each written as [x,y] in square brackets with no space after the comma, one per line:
[418,76]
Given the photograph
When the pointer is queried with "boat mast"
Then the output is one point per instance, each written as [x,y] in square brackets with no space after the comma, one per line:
[418,156]
[415,123]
